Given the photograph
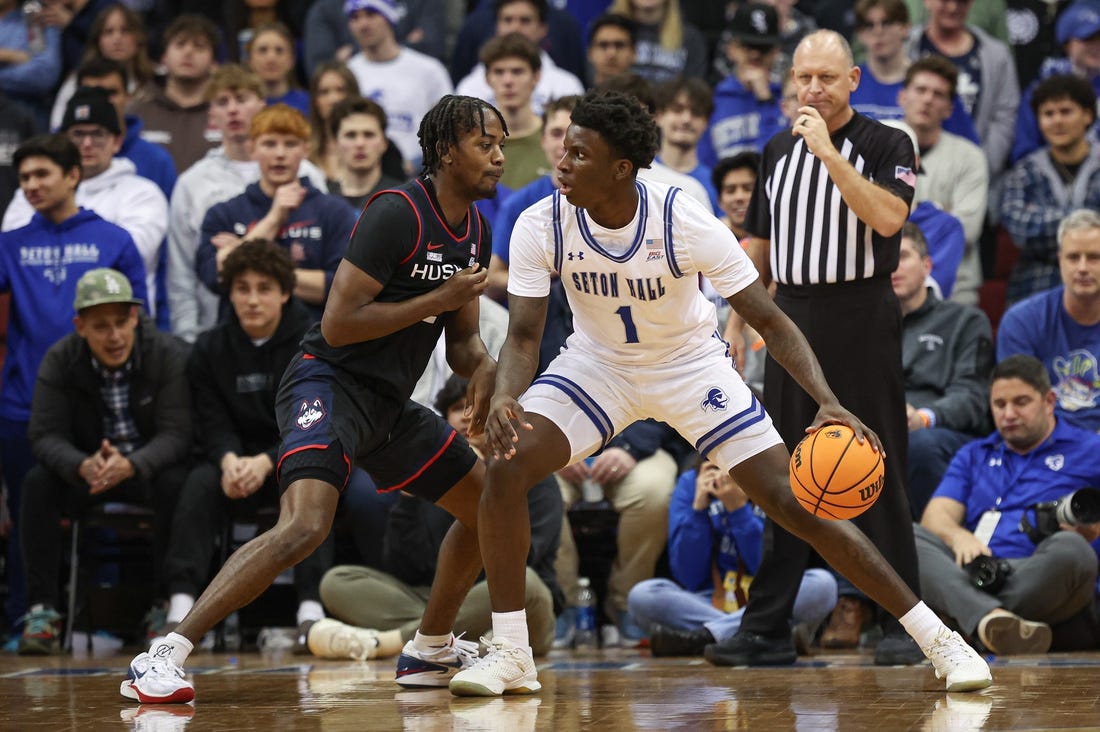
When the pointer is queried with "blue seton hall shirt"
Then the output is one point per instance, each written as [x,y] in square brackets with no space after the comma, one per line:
[986,475]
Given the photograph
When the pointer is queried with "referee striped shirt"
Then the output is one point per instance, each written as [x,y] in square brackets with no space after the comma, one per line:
[815,237]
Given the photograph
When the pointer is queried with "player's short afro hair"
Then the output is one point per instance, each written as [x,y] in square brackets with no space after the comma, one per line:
[624,124]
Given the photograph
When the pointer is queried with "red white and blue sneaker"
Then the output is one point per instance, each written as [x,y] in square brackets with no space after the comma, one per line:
[156,680]
[416,668]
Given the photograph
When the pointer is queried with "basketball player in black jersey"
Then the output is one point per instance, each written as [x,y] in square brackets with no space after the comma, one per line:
[414,269]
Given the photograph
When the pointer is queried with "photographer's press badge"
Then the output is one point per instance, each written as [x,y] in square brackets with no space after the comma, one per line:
[987,524]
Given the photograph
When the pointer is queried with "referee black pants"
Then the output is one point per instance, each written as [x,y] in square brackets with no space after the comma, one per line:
[855,331]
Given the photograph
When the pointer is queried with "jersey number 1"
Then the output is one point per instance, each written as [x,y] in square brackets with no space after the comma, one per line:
[628,324]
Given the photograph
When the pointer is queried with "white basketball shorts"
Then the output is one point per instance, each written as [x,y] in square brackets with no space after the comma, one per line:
[703,398]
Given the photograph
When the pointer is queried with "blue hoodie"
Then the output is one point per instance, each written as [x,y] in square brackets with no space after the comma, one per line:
[740,122]
[151,160]
[316,233]
[698,538]
[946,243]
[40,264]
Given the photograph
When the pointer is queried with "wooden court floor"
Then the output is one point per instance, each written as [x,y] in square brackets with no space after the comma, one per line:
[612,690]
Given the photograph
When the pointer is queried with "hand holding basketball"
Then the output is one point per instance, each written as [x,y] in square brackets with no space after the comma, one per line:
[834,475]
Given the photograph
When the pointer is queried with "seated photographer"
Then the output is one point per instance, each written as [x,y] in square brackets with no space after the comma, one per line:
[992,556]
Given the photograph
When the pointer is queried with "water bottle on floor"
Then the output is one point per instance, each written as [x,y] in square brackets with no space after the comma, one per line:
[585,605]
[591,491]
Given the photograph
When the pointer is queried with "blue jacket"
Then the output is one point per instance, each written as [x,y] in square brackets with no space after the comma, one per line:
[316,233]
[40,264]
[946,242]
[151,160]
[740,122]
[695,538]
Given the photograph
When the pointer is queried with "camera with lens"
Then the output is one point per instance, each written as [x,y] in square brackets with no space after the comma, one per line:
[988,574]
[1073,509]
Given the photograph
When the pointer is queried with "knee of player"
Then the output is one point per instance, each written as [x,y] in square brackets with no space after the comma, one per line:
[302,533]
[504,477]
[772,493]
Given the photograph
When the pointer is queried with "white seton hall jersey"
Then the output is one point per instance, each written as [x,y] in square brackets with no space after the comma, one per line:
[634,291]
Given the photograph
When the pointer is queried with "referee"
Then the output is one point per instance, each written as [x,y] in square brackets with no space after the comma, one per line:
[829,203]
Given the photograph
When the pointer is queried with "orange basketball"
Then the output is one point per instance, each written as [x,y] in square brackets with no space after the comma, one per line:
[834,476]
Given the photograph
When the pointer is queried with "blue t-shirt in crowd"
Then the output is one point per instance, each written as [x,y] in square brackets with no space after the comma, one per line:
[1040,326]
[880,101]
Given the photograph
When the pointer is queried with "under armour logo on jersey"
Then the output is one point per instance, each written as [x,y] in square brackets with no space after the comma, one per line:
[575,255]
[310,414]
[716,399]
[1055,462]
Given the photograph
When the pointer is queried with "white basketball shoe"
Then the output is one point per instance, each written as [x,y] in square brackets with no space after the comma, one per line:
[506,669]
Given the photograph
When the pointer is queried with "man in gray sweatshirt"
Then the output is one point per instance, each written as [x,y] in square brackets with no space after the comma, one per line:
[947,356]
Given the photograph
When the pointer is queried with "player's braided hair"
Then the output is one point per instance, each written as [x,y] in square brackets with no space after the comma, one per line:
[445,123]
[624,124]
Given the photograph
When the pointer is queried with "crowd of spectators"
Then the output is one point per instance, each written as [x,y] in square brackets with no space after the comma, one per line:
[211,163]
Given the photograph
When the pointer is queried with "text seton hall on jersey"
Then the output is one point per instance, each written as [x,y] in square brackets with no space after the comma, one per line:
[606,284]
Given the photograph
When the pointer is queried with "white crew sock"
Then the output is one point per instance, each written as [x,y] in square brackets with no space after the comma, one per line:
[310,610]
[178,606]
[175,646]
[512,627]
[922,624]
[429,643]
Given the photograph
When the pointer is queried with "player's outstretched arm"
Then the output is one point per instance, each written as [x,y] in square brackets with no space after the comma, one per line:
[789,347]
[519,360]
[352,314]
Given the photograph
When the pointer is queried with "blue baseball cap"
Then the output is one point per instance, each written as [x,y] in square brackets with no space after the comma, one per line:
[1079,21]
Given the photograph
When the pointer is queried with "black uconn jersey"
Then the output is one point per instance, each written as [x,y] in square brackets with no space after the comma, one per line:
[815,237]
[402,241]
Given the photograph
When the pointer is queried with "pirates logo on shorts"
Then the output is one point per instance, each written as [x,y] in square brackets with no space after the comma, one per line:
[310,414]
[716,399]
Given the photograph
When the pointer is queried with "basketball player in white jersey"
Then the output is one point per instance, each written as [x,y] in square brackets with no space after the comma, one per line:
[646,345]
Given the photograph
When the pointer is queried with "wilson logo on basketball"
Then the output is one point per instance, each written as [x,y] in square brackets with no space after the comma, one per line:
[868,491]
[834,475]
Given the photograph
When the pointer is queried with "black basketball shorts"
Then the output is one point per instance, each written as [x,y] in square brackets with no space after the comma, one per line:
[328,423]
